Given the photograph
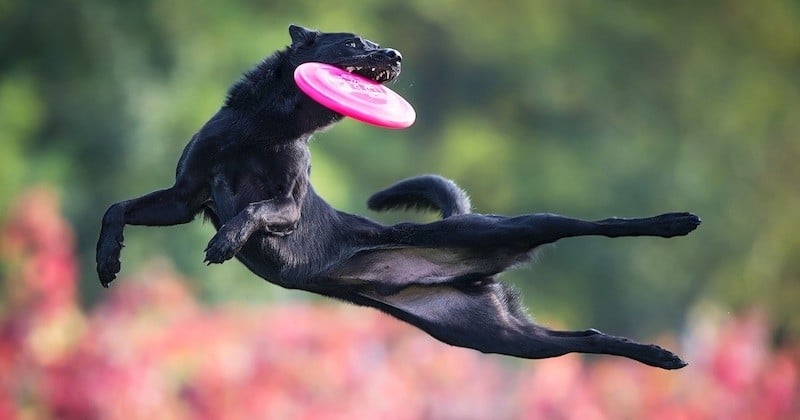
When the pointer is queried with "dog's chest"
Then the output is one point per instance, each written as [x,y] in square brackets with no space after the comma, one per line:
[253,174]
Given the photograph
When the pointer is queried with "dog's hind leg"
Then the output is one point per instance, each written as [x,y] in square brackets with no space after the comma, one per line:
[487,316]
[529,231]
[475,245]
[555,343]
[543,228]
[550,228]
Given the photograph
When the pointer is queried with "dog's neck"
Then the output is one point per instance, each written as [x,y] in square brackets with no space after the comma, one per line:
[262,81]
[270,91]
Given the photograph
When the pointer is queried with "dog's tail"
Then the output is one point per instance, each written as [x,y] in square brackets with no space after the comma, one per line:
[423,192]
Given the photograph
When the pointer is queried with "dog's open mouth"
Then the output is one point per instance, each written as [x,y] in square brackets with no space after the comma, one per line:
[378,74]
[382,65]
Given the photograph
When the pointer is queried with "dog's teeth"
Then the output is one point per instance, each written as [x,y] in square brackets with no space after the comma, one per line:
[350,68]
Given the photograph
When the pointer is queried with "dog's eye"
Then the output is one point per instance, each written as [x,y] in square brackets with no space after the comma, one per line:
[353,44]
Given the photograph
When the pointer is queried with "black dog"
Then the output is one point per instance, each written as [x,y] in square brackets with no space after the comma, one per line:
[247,169]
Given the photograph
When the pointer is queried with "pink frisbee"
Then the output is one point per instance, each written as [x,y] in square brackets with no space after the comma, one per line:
[354,96]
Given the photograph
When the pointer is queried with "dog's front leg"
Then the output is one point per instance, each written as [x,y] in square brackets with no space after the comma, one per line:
[167,207]
[277,216]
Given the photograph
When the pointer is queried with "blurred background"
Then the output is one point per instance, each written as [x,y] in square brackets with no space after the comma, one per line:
[588,109]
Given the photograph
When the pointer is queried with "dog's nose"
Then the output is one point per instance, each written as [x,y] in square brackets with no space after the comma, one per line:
[393,54]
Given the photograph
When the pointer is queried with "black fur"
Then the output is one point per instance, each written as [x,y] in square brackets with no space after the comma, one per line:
[423,192]
[247,170]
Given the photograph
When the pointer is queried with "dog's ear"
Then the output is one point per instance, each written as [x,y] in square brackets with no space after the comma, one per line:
[301,35]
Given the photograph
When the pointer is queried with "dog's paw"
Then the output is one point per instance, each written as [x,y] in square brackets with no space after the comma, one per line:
[108,264]
[221,248]
[660,357]
[675,224]
[107,271]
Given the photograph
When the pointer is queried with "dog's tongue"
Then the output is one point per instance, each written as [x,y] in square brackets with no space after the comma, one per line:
[354,96]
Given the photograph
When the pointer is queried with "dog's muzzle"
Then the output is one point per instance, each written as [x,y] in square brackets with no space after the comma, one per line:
[382,65]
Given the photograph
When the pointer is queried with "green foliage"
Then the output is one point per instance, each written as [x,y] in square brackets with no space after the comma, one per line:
[588,109]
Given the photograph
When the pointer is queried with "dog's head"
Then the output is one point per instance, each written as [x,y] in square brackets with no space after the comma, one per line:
[346,51]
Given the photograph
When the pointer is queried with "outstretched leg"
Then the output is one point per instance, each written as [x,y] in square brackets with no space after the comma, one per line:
[160,208]
[549,343]
[487,316]
[474,245]
[531,230]
[551,228]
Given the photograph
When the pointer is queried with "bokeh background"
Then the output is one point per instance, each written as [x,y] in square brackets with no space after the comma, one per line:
[588,109]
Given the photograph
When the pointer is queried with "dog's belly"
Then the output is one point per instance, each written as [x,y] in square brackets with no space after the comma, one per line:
[292,261]
[303,256]
[261,263]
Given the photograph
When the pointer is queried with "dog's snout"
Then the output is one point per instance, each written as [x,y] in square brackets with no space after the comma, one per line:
[392,54]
